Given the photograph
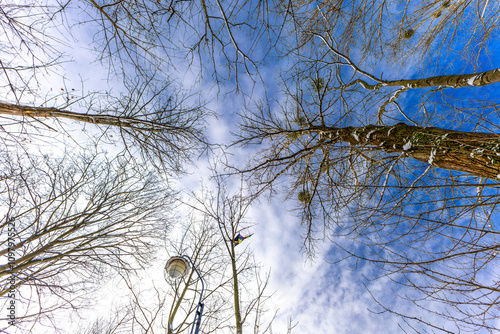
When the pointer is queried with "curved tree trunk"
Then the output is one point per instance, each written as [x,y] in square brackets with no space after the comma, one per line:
[455,81]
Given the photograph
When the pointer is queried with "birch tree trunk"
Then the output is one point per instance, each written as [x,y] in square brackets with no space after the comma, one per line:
[454,81]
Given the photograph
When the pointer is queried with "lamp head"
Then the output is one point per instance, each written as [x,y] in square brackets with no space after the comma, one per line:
[177,267]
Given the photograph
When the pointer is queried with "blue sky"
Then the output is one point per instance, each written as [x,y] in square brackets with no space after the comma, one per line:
[321,294]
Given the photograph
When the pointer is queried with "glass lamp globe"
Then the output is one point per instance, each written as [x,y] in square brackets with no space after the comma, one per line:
[177,267]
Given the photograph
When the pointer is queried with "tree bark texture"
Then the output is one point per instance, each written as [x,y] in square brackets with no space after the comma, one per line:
[455,81]
[474,153]
[236,292]
[99,119]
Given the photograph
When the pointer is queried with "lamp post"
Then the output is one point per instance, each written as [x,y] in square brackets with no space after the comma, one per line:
[176,268]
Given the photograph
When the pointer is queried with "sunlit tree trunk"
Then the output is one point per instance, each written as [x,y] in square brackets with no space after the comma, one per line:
[175,307]
[228,212]
[165,135]
[474,153]
[99,119]
[236,292]
[454,81]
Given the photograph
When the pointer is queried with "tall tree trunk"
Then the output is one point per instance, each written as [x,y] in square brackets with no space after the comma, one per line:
[474,153]
[455,81]
[236,292]
[177,304]
[99,119]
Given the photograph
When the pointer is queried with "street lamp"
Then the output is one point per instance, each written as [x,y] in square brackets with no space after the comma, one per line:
[176,268]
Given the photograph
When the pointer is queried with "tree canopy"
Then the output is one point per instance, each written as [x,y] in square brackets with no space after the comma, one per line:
[377,120]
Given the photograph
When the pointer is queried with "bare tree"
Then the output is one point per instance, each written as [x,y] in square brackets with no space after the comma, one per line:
[418,198]
[201,242]
[159,127]
[146,114]
[137,32]
[71,222]
[399,33]
[133,38]
[157,305]
[139,41]
[170,306]
[228,213]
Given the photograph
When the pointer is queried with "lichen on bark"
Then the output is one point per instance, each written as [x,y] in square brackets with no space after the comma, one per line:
[474,153]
